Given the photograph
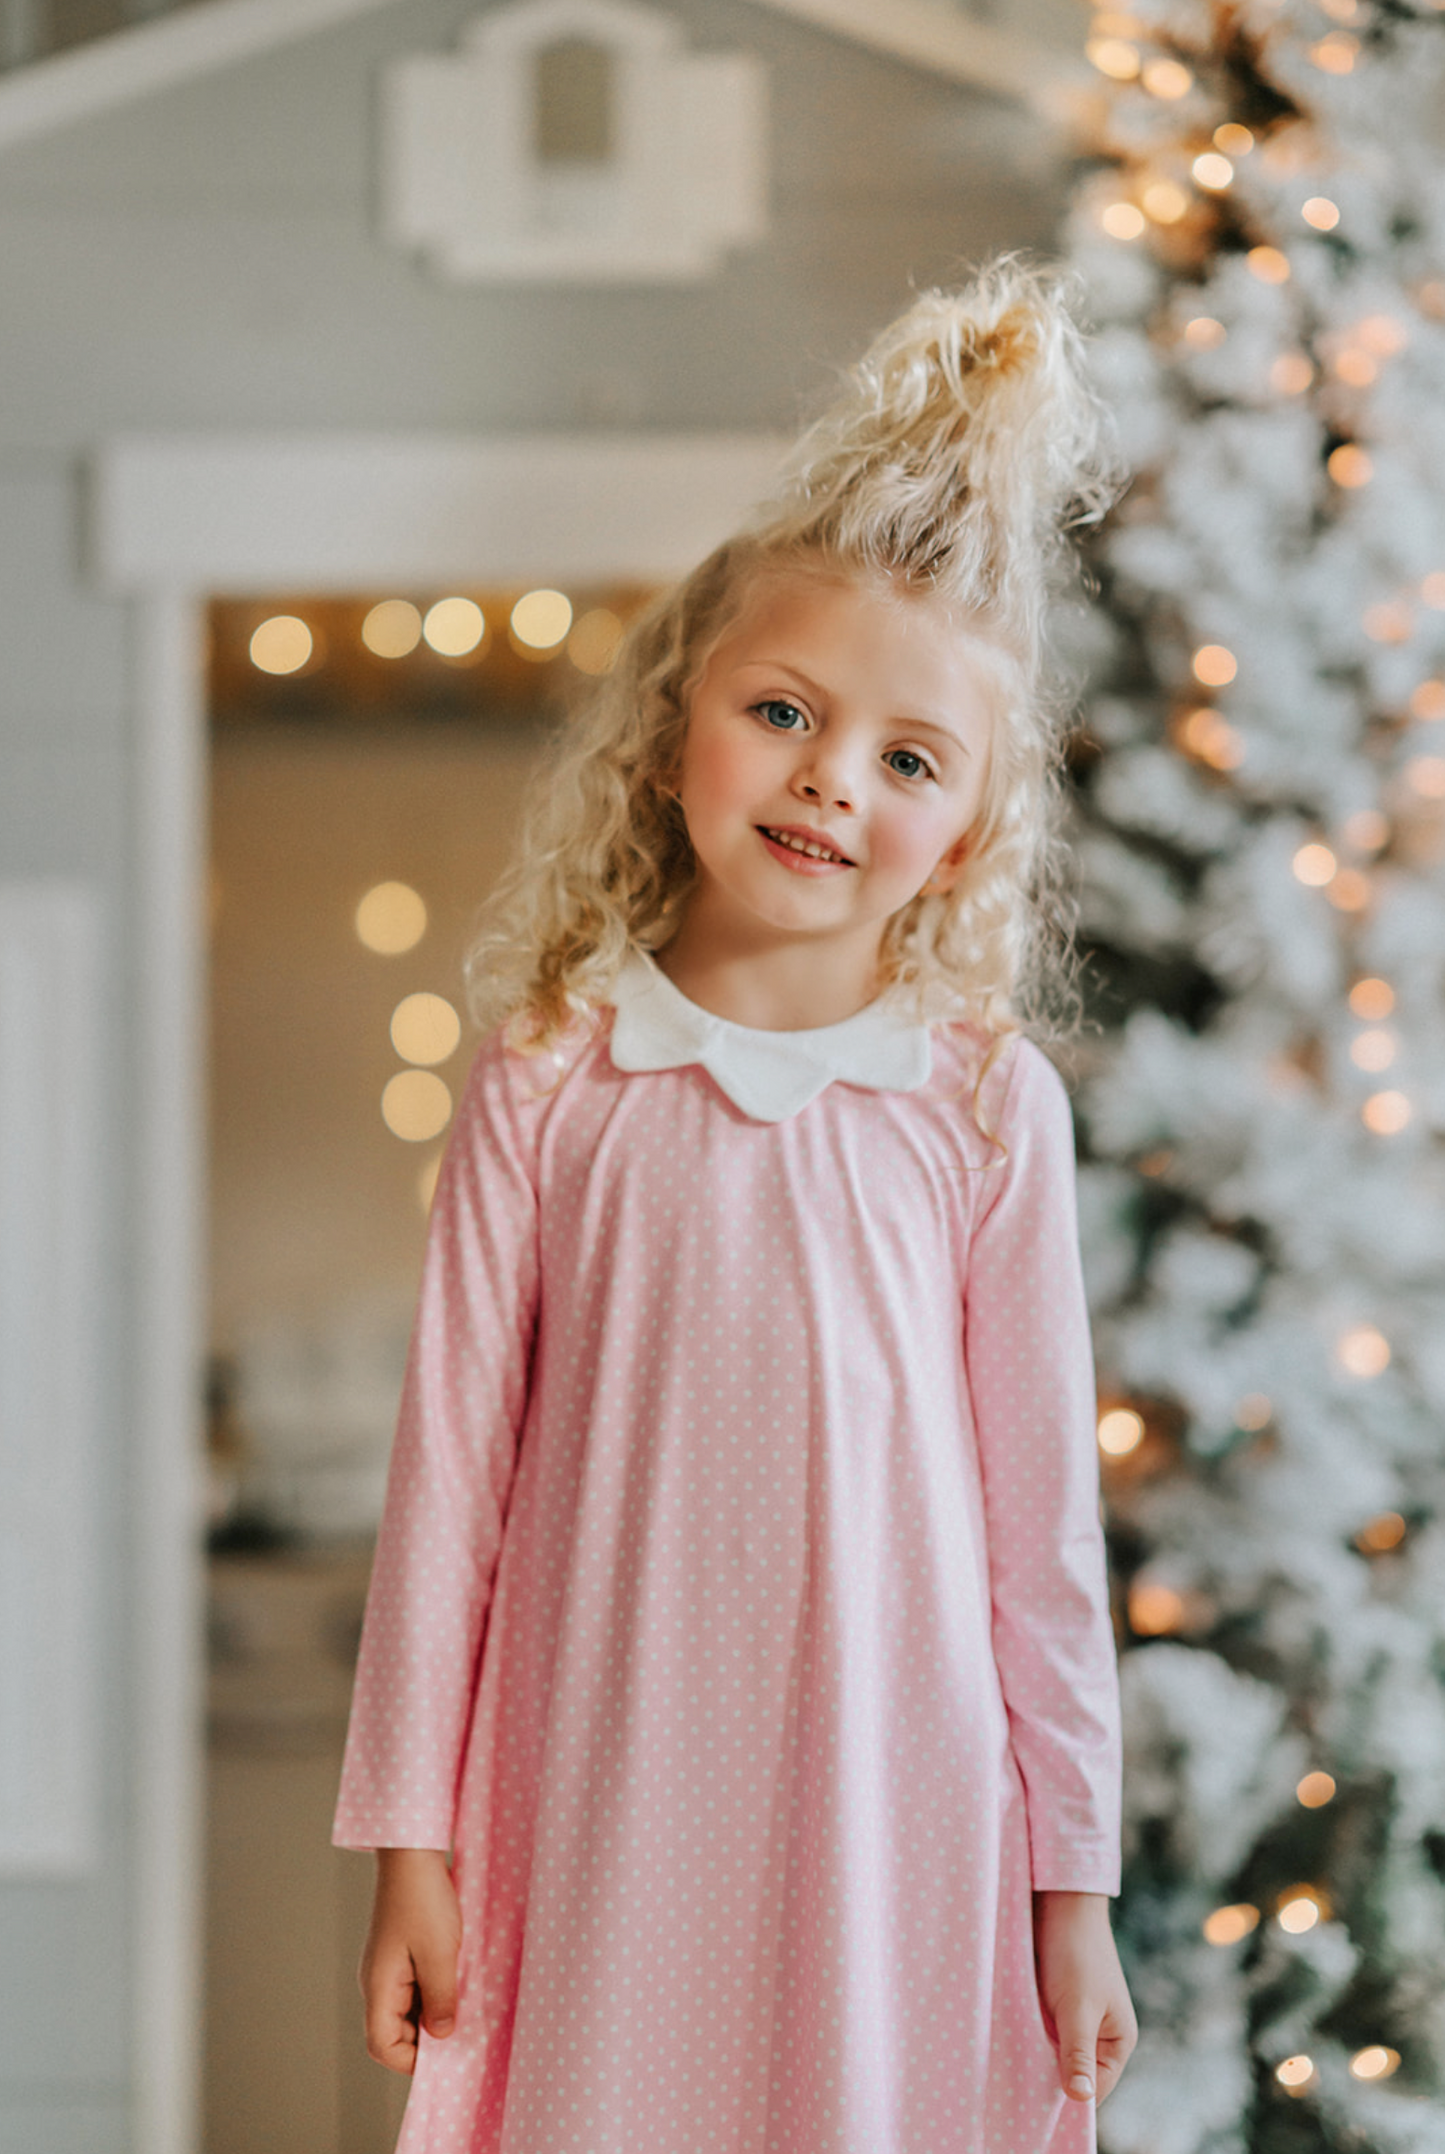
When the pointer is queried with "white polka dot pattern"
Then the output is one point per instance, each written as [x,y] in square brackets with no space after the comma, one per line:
[739,1614]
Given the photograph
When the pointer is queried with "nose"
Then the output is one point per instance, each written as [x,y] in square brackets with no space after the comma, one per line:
[825,777]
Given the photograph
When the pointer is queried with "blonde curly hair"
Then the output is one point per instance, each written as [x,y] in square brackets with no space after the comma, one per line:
[957,454]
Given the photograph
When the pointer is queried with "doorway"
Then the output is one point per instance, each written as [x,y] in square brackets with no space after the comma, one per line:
[368,758]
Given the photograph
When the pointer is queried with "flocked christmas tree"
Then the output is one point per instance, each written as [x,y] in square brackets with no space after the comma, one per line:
[1262,825]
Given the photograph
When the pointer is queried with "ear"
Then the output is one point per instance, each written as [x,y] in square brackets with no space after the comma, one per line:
[948,870]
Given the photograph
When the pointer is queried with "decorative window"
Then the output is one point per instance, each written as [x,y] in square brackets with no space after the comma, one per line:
[574,141]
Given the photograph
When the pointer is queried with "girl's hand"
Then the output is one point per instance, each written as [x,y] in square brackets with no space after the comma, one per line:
[1081,1988]
[409,1967]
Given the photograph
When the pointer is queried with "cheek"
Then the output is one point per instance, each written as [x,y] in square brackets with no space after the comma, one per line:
[717,770]
[910,836]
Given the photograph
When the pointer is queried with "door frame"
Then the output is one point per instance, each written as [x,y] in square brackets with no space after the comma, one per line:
[172,520]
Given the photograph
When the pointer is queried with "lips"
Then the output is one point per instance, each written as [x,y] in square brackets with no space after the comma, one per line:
[806,844]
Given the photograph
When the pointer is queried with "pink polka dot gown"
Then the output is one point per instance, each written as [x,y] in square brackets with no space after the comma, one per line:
[739,1615]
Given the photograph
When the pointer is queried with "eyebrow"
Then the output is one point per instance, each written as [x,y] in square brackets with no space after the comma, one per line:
[911,720]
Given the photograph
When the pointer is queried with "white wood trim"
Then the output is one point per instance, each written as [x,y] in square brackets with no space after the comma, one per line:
[129,64]
[116,71]
[50,1005]
[348,512]
[169,1197]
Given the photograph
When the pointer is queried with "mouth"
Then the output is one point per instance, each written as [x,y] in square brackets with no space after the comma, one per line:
[798,849]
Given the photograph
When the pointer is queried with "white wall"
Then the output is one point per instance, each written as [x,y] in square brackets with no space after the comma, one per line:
[206,261]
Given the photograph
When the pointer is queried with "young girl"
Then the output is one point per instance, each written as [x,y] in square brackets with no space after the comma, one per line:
[739,1625]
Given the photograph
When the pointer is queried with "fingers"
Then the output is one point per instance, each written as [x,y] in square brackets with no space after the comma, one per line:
[436,1975]
[389,1987]
[1077,2035]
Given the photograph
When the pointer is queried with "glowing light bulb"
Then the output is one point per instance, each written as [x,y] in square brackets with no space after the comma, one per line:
[1122,220]
[1154,1609]
[1314,865]
[1381,1534]
[1321,212]
[1291,374]
[392,629]
[1386,1113]
[1268,264]
[1204,333]
[1349,890]
[1372,999]
[1212,170]
[1114,57]
[1165,202]
[454,626]
[281,645]
[1363,1351]
[1121,1431]
[1227,1925]
[593,643]
[1427,701]
[1299,1913]
[1234,140]
[1315,1790]
[1166,78]
[541,619]
[425,1028]
[1337,53]
[1373,1050]
[391,918]
[1214,665]
[415,1105]
[1294,2073]
[1376,2062]
[1348,465]
[1432,590]
[1355,368]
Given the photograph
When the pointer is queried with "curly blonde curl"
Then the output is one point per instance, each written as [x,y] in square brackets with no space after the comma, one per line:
[957,455]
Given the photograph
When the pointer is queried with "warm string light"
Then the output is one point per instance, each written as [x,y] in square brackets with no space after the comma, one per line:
[1337,53]
[1315,1790]
[1155,1609]
[1376,2062]
[1295,2074]
[1121,1431]
[1300,1909]
[1349,465]
[1209,738]
[1230,1925]
[1363,1351]
[1321,213]
[1382,1534]
[1372,999]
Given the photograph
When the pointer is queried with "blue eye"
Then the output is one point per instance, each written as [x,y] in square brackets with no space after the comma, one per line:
[783,717]
[917,768]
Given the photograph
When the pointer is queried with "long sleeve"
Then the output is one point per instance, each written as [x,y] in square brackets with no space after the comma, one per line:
[1031,1380]
[462,1407]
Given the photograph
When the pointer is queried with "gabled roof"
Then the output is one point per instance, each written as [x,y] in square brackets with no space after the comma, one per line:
[197,41]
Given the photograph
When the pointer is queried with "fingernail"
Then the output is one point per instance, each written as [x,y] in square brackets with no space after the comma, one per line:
[1081,2084]
[442,2026]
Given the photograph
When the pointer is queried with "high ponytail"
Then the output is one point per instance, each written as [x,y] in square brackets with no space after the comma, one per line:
[951,461]
[958,452]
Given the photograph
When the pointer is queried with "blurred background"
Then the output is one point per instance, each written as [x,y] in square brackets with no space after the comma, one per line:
[366,367]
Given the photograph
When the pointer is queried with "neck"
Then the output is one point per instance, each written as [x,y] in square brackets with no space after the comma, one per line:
[772,985]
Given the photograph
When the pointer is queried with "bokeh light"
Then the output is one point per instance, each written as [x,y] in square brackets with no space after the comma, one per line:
[391,918]
[1121,1431]
[454,626]
[1363,1350]
[593,643]
[425,1028]
[416,1105]
[1227,1925]
[1315,1790]
[540,619]
[392,629]
[282,644]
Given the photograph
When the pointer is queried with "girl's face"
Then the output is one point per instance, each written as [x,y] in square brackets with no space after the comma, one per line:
[834,761]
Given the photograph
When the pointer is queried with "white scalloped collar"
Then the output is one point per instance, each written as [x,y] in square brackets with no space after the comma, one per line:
[769,1075]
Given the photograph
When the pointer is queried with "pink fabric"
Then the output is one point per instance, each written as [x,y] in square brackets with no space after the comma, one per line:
[739,1614]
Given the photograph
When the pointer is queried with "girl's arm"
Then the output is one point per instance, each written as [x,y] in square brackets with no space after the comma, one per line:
[462,1408]
[1031,1381]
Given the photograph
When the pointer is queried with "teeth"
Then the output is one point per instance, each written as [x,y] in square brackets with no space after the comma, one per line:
[803,845]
